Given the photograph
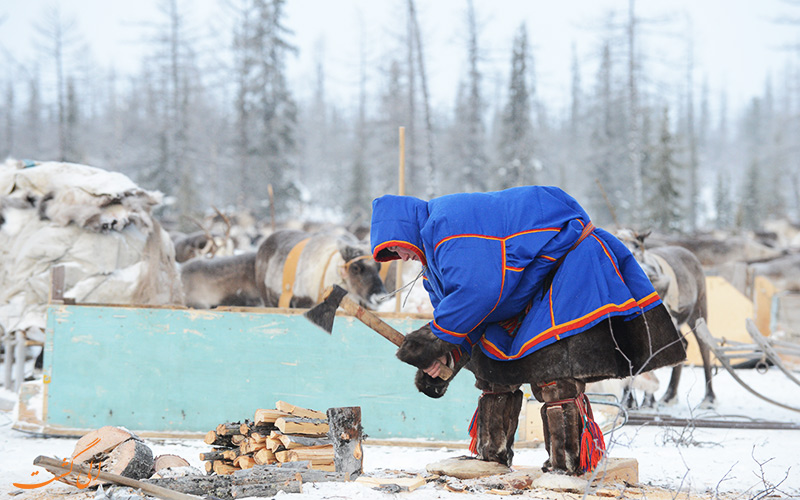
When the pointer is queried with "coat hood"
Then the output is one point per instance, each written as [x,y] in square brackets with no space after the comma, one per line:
[397,221]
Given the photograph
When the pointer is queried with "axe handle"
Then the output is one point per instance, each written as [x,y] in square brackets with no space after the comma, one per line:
[380,326]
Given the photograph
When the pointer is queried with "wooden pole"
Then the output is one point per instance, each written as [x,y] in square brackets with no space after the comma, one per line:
[401,190]
[271,206]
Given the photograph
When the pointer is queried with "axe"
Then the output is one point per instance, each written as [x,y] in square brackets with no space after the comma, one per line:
[334,297]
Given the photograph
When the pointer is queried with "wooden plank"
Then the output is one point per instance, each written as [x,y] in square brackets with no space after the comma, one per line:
[139,347]
[404,483]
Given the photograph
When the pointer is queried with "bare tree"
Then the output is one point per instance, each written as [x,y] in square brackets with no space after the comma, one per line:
[58,38]
[419,61]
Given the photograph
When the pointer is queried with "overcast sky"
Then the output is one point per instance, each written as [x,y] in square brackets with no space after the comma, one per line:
[737,42]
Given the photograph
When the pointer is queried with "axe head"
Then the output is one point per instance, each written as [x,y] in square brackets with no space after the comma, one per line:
[323,313]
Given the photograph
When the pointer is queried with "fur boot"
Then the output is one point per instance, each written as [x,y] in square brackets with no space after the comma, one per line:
[496,422]
[562,424]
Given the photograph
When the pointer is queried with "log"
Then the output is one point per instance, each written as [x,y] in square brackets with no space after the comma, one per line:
[231,454]
[238,439]
[319,453]
[274,442]
[251,447]
[346,434]
[222,468]
[132,459]
[264,456]
[291,441]
[169,461]
[108,438]
[298,411]
[302,425]
[267,416]
[114,450]
[244,462]
[228,428]
[213,439]
[57,467]
[218,454]
[249,427]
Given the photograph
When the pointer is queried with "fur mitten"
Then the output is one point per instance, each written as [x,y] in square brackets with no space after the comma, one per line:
[420,348]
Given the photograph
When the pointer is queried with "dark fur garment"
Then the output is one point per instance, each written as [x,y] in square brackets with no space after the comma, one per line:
[613,348]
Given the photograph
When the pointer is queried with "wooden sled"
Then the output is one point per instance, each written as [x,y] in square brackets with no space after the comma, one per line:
[725,350]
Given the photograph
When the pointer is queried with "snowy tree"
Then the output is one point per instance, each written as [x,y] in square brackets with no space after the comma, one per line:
[663,202]
[516,148]
[468,133]
[749,213]
[58,40]
[723,207]
[610,190]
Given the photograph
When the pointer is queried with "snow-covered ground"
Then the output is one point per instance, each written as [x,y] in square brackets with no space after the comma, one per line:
[694,461]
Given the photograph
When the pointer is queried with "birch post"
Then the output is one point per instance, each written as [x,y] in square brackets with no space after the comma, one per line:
[345,432]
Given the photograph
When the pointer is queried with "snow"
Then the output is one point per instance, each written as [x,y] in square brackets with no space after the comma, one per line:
[736,463]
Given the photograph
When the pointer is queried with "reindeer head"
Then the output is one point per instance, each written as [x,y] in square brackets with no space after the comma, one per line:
[361,274]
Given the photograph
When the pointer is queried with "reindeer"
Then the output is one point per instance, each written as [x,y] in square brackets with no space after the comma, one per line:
[294,267]
[221,281]
[677,276]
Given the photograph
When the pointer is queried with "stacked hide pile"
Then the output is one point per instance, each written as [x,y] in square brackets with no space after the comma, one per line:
[97,224]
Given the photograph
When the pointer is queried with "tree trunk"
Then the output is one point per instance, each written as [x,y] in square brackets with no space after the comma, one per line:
[345,432]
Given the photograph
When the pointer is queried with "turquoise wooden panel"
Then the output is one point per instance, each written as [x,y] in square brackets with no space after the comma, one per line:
[183,370]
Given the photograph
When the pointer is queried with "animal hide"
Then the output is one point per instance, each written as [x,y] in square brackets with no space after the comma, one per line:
[96,224]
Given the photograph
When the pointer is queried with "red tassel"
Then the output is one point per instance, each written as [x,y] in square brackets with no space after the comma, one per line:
[593,445]
[473,433]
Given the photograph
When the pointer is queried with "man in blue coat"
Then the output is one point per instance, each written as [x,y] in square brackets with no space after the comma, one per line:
[525,290]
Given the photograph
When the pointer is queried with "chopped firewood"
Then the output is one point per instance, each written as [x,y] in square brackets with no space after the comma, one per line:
[228,428]
[257,437]
[300,425]
[264,456]
[265,416]
[231,453]
[214,439]
[244,462]
[250,427]
[210,466]
[222,468]
[290,441]
[213,455]
[298,411]
[238,439]
[251,447]
[274,442]
[308,453]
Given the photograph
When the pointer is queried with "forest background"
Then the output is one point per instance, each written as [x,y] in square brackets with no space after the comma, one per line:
[217,103]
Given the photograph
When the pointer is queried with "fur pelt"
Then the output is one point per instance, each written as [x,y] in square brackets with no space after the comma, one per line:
[610,349]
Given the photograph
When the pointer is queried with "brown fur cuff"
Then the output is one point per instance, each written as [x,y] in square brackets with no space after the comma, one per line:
[421,347]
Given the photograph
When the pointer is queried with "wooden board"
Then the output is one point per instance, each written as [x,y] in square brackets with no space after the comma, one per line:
[172,362]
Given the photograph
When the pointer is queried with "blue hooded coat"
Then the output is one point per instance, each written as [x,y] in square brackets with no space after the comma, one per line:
[512,271]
